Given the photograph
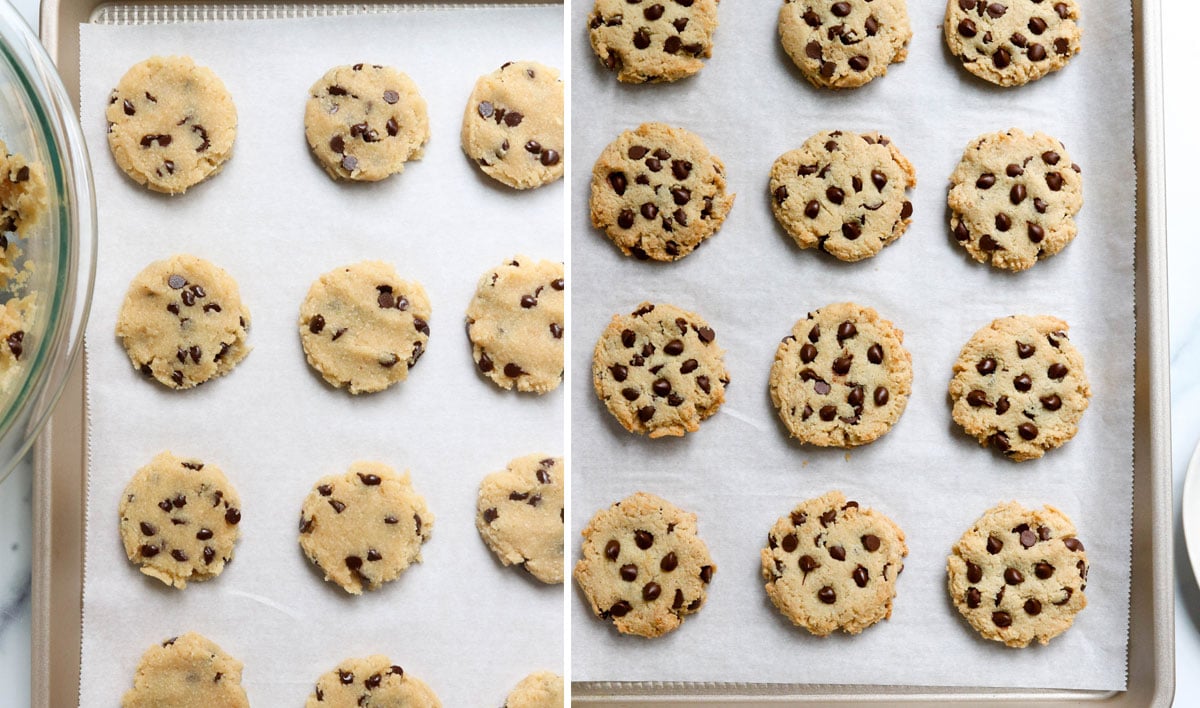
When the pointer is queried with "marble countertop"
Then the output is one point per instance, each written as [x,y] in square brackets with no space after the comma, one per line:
[1184,248]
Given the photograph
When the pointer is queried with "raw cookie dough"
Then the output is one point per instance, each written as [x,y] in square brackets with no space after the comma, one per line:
[363,122]
[842,377]
[1019,574]
[658,192]
[515,324]
[364,527]
[513,125]
[539,690]
[171,124]
[23,200]
[14,314]
[844,44]
[844,193]
[831,564]
[659,370]
[1019,386]
[183,322]
[520,515]
[189,671]
[643,565]
[363,328]
[371,681]
[652,41]
[179,519]
[1012,42]
[1013,199]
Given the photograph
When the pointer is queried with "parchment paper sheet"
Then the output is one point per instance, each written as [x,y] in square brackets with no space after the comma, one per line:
[466,625]
[739,472]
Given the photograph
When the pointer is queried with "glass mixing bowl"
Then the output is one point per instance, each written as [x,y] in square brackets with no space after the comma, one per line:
[38,121]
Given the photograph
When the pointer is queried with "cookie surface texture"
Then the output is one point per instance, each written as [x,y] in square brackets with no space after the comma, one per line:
[844,44]
[364,121]
[1019,386]
[653,41]
[520,515]
[189,671]
[1012,42]
[363,328]
[364,527]
[831,564]
[171,124]
[371,681]
[1013,199]
[659,370]
[183,322]
[643,565]
[658,192]
[23,199]
[842,377]
[844,193]
[515,324]
[513,125]
[179,519]
[539,690]
[1018,574]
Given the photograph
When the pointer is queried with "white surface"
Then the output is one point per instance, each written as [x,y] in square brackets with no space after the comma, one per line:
[739,472]
[275,221]
[1189,514]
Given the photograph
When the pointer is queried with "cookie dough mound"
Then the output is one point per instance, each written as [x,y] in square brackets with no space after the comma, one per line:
[842,377]
[1019,574]
[1013,199]
[539,690]
[658,192]
[844,193]
[1012,42]
[643,565]
[23,201]
[187,671]
[179,519]
[363,328]
[371,681]
[171,124]
[844,44]
[831,564]
[659,370]
[661,40]
[515,324]
[520,515]
[183,322]
[513,125]
[363,122]
[363,528]
[1020,387]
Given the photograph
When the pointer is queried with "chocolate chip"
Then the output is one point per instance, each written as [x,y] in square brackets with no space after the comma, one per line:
[512,119]
[827,595]
[629,572]
[855,398]
[1073,544]
[845,331]
[349,163]
[961,233]
[148,550]
[1036,52]
[906,210]
[828,413]
[851,230]
[1062,46]
[838,553]
[512,371]
[967,28]
[1056,371]
[1012,576]
[649,210]
[835,195]
[881,396]
[1000,440]
[1023,382]
[859,62]
[1001,619]
[994,545]
[1051,402]
[986,366]
[1054,181]
[842,364]
[1028,538]
[789,542]
[1003,222]
[1028,431]
[1037,25]
[176,282]
[643,539]
[985,181]
[977,398]
[813,208]
[653,12]
[706,573]
[353,563]
[612,549]
[973,598]
[861,576]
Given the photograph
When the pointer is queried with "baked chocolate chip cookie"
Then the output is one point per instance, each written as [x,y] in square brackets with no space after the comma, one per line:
[643,565]
[171,123]
[1013,199]
[658,192]
[363,528]
[844,193]
[1019,574]
[659,370]
[515,324]
[1020,387]
[831,564]
[842,377]
[1012,42]
[660,40]
[844,43]
[513,125]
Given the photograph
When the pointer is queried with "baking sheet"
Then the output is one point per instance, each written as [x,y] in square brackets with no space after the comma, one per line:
[739,473]
[275,221]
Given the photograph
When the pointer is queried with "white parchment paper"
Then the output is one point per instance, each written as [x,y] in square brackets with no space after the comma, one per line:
[739,472]
[466,625]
